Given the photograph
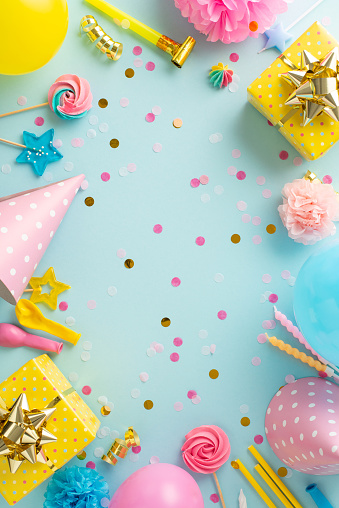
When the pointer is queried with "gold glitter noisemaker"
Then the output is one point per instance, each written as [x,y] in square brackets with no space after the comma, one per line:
[178,52]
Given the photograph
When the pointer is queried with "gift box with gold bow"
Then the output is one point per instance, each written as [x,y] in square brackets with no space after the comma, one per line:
[298,93]
[43,424]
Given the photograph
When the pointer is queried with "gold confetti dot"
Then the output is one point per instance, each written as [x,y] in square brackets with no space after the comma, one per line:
[234,464]
[271,229]
[177,123]
[235,238]
[282,471]
[148,404]
[103,103]
[89,201]
[129,263]
[114,143]
[245,421]
[214,374]
[82,455]
[105,410]
[165,322]
[129,73]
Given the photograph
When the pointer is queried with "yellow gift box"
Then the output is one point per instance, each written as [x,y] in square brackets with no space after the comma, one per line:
[269,92]
[73,423]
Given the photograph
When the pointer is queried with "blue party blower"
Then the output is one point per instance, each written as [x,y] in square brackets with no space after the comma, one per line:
[318,497]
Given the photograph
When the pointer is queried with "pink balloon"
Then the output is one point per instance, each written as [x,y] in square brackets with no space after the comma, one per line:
[158,486]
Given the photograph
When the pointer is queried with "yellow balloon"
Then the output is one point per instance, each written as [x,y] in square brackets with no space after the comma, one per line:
[32,32]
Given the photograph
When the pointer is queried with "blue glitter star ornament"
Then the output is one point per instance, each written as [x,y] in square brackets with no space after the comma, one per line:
[39,151]
[277,37]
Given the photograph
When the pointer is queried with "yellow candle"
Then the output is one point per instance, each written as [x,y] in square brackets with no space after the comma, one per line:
[259,469]
[140,28]
[237,464]
[274,477]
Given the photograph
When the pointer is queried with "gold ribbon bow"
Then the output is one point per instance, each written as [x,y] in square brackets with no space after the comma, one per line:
[23,432]
[120,447]
[315,85]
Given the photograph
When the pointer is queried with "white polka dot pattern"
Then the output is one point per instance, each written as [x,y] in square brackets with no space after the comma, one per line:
[27,224]
[306,437]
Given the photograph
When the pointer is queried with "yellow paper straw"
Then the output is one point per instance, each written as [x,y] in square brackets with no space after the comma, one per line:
[260,470]
[237,464]
[274,477]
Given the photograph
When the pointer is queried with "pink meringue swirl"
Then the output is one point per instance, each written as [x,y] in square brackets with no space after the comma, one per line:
[70,96]
[206,449]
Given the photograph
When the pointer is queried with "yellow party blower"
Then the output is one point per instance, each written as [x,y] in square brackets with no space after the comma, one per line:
[178,52]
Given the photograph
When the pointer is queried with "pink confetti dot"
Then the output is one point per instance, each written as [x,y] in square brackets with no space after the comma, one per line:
[136,449]
[258,439]
[222,315]
[204,179]
[260,180]
[131,167]
[214,497]
[246,218]
[256,361]
[159,347]
[144,377]
[297,161]
[290,379]
[177,341]
[84,185]
[285,274]
[154,459]
[266,278]
[200,240]
[124,102]
[105,502]
[262,338]
[241,175]
[196,399]
[191,394]
[178,406]
[22,100]
[174,357]
[137,50]
[327,179]
[157,228]
[242,205]
[90,464]
[157,147]
[256,221]
[234,57]
[39,121]
[283,155]
[87,390]
[91,304]
[77,142]
[231,170]
[267,325]
[267,193]
[63,305]
[257,239]
[175,282]
[121,253]
[236,153]
[273,298]
[138,62]
[105,176]
[195,182]
[57,143]
[150,117]
[150,66]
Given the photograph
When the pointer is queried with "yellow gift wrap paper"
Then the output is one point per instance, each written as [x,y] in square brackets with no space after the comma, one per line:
[73,423]
[270,90]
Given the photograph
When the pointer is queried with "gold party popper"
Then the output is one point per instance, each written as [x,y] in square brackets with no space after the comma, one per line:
[178,52]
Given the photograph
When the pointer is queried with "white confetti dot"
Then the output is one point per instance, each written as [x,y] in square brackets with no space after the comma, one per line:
[123,171]
[84,185]
[235,78]
[110,405]
[87,345]
[91,133]
[135,393]
[93,120]
[233,87]
[218,189]
[6,169]
[205,198]
[68,166]
[203,334]
[73,377]
[102,400]
[218,277]
[70,321]
[85,356]
[154,460]
[22,100]
[244,409]
[124,102]
[151,352]
[157,147]
[112,290]
[196,399]
[47,176]
[103,127]
[205,350]
[114,434]
[144,377]
[98,452]
[156,110]
[134,457]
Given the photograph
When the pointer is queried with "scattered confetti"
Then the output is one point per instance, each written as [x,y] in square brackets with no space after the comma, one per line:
[290,378]
[218,277]
[82,455]
[165,322]
[68,166]
[241,175]
[242,206]
[203,334]
[112,290]
[174,357]
[273,298]
[137,50]
[157,147]
[244,409]
[246,218]
[105,177]
[233,87]
[154,459]
[285,274]
[6,169]
[84,185]
[326,21]
[150,117]
[234,57]
[39,121]
[262,338]
[256,221]
[235,238]
[136,449]
[91,304]
[178,406]
[135,393]
[150,66]
[258,439]
[123,171]
[175,282]
[93,120]
[271,229]
[85,356]
[157,228]
[327,179]
[102,103]
[87,345]
[266,278]
[297,161]
[90,465]
[191,394]
[205,198]
[200,240]
[205,350]
[73,377]
[63,306]
[91,133]
[218,189]
[260,180]
[148,404]
[129,73]
[177,123]
[266,193]
[89,201]
[124,102]
[151,352]
[121,253]
[236,153]
[282,472]
[22,100]
[102,400]
[245,421]
[131,167]
[114,143]
[177,341]
[215,138]
[129,263]
[87,390]
[213,374]
[195,183]
[156,110]
[204,179]
[283,155]
[103,127]
[196,399]
[70,321]
[291,281]
[256,239]
[214,498]
[144,377]
[138,62]
[256,361]
[222,314]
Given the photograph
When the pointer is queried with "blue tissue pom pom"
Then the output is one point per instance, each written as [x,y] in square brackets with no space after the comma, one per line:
[76,487]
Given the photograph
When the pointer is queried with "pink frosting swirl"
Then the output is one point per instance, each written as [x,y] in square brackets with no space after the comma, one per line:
[206,449]
[70,96]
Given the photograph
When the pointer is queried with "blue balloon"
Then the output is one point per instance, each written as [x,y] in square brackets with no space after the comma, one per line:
[316,301]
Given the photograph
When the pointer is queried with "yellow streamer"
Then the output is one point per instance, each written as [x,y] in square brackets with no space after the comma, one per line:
[120,447]
[106,44]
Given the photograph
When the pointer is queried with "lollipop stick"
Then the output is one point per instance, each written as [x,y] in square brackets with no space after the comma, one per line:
[12,143]
[219,490]
[24,109]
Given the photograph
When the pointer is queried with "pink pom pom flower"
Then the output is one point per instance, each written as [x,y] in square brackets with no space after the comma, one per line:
[206,449]
[229,20]
[308,210]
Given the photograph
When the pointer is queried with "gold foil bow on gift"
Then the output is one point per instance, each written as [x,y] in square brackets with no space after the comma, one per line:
[120,447]
[23,433]
[315,85]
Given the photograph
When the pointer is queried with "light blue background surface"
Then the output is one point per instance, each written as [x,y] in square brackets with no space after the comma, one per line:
[83,251]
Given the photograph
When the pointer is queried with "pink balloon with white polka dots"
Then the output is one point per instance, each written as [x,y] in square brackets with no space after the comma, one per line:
[302,426]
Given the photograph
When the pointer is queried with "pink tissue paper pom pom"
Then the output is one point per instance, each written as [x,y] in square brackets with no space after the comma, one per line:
[228,20]
[308,210]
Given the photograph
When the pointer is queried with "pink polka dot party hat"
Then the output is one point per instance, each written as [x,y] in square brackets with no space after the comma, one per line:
[302,426]
[28,221]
